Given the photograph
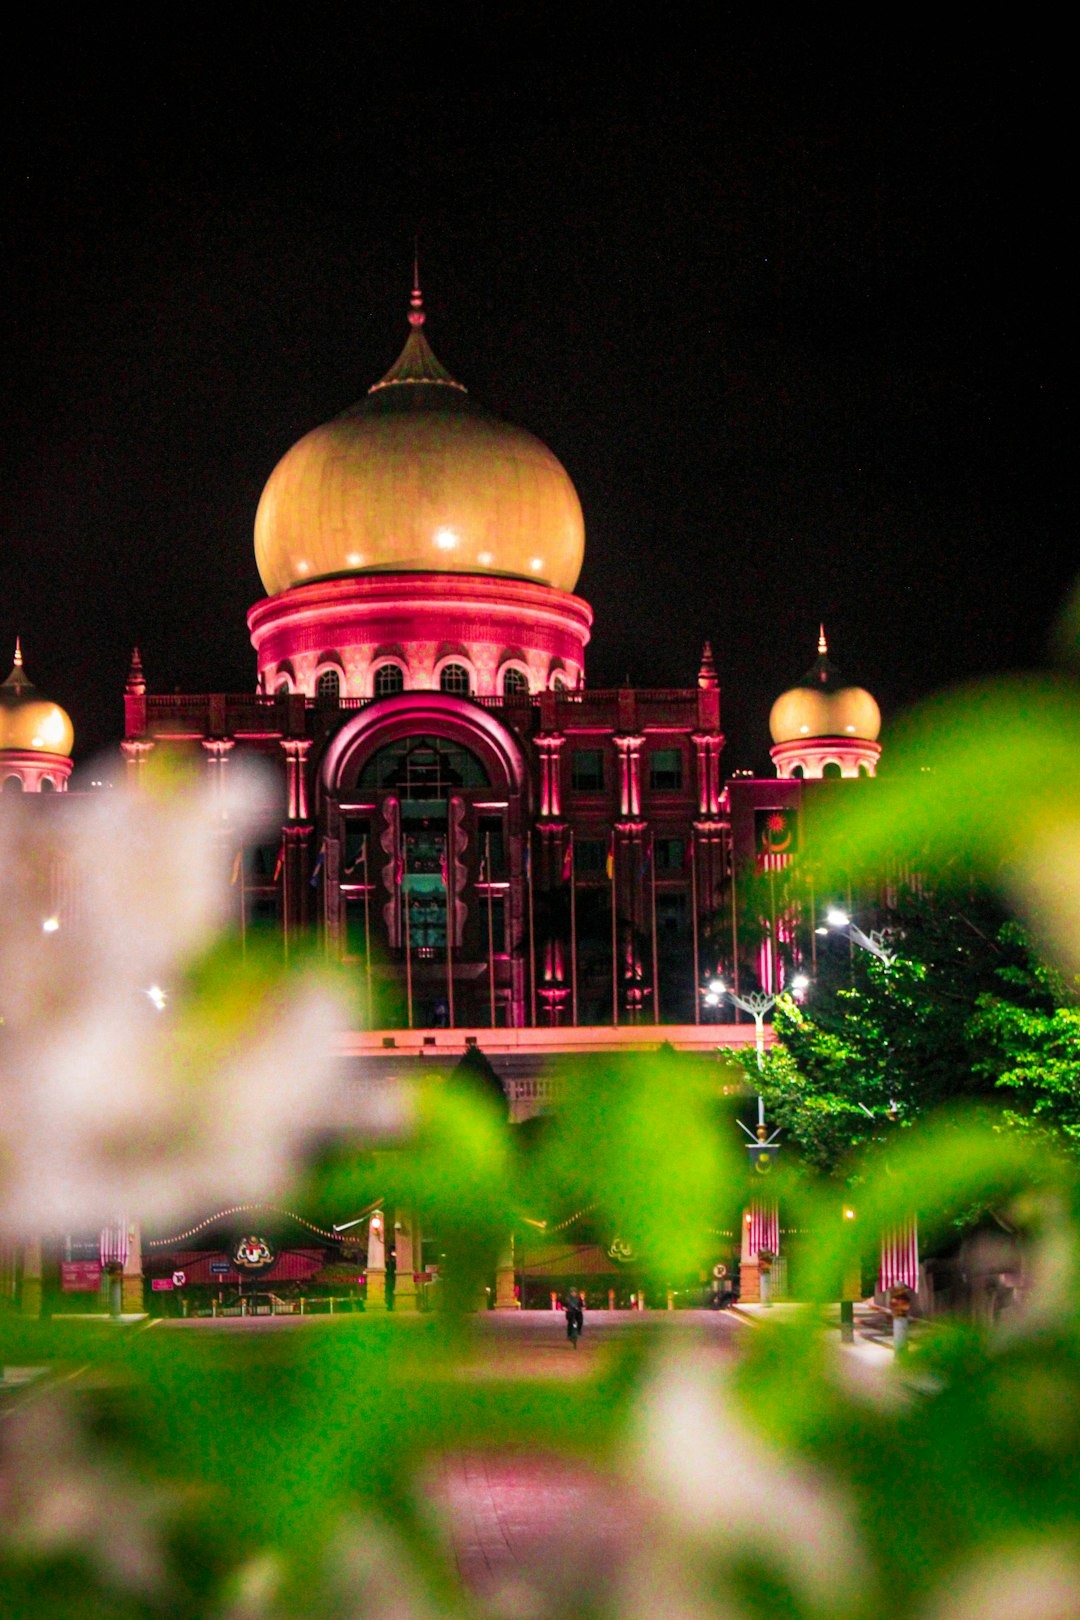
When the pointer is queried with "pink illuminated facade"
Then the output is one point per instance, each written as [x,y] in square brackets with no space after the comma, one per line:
[485,838]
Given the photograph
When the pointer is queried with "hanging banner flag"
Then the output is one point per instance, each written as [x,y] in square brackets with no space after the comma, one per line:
[763,1219]
[568,860]
[319,864]
[776,838]
[610,864]
[280,861]
[899,1256]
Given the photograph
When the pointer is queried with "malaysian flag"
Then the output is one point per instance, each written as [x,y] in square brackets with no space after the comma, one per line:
[113,1244]
[900,1256]
[763,1220]
[776,838]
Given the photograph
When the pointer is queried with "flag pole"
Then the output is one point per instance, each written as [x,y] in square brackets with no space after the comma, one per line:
[448,856]
[614,941]
[408,935]
[655,947]
[367,936]
[532,926]
[573,934]
[491,929]
[243,904]
[693,912]
[734,925]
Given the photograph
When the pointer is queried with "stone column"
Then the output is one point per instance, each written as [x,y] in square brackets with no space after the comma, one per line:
[136,751]
[629,749]
[376,1263]
[217,751]
[505,1298]
[296,751]
[407,1258]
[131,1288]
[749,1275]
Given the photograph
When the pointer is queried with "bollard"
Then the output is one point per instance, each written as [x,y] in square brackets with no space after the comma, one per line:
[900,1300]
[847,1321]
[641,1302]
[554,1302]
[611,1299]
[670,1300]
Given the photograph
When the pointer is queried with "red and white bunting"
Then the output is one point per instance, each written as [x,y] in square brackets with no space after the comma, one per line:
[900,1256]
[113,1244]
[764,1226]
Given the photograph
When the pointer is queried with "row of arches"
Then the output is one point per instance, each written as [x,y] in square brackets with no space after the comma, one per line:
[390,675]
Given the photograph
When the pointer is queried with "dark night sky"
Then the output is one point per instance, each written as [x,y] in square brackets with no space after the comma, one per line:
[790,306]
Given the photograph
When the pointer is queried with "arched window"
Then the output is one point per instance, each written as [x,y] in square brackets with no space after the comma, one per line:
[514,682]
[864,770]
[282,689]
[328,686]
[13,784]
[832,769]
[423,768]
[389,679]
[455,678]
[798,773]
[48,785]
[558,683]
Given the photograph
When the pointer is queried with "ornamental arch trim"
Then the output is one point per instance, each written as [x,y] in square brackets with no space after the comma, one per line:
[409,714]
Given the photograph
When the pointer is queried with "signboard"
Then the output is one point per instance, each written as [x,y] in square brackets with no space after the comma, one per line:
[179,1278]
[80,1276]
[220,1268]
[161,1285]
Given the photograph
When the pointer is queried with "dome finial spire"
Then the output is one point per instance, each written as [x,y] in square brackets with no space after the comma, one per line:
[18,652]
[822,644]
[416,301]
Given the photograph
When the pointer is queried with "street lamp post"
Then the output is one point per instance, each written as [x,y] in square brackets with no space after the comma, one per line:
[874,941]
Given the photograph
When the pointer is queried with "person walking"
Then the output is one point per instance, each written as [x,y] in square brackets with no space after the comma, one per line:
[575,1316]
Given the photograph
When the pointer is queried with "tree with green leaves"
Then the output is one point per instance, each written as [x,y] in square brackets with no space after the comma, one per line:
[962,1010]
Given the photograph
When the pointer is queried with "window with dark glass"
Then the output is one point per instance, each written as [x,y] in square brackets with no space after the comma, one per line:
[670,854]
[514,683]
[590,855]
[665,768]
[328,686]
[389,679]
[587,770]
[490,836]
[671,916]
[423,768]
[498,923]
[455,678]
[356,851]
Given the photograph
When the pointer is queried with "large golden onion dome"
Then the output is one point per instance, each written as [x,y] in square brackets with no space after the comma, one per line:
[418,478]
[29,721]
[820,707]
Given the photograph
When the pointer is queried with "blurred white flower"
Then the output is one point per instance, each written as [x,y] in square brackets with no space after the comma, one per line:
[716,1482]
[58,1495]
[112,1097]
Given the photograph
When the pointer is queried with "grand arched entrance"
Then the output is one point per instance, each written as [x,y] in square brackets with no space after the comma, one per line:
[424,796]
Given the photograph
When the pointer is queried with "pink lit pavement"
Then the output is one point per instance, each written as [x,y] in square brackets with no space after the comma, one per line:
[543,1526]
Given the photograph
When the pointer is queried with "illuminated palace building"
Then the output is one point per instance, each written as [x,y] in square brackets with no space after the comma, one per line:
[488,839]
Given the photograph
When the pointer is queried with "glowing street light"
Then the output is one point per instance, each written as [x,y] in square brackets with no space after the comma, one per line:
[874,942]
[50,925]
[157,996]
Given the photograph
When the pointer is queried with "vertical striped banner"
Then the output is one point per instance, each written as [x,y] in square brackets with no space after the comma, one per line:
[900,1256]
[113,1243]
[764,1226]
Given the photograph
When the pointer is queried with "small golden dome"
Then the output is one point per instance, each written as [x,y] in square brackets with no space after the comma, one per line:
[29,721]
[418,479]
[820,707]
